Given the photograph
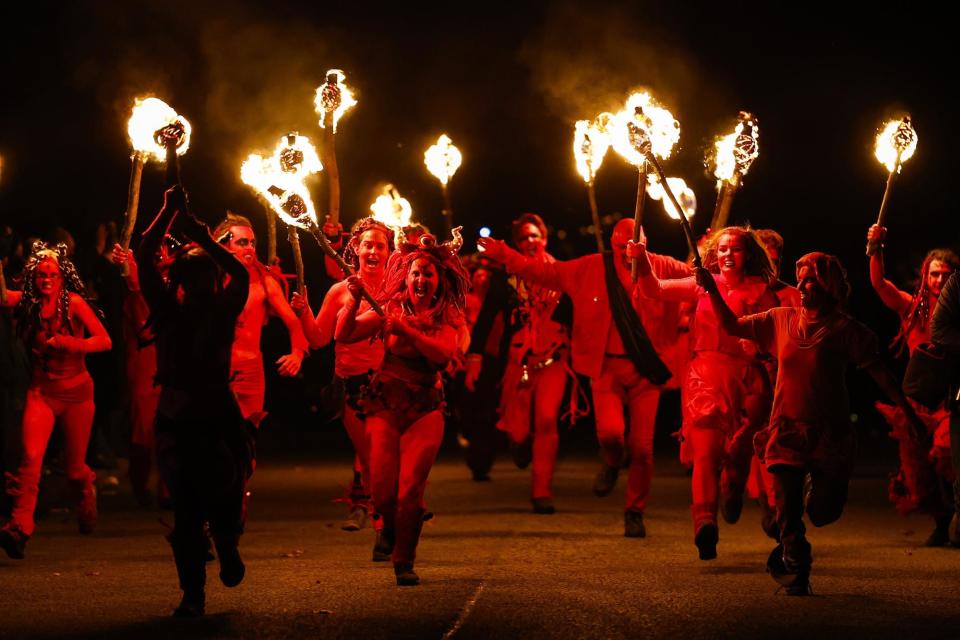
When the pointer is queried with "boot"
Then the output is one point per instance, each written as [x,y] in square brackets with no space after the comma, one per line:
[13,540]
[543,506]
[406,576]
[191,605]
[606,480]
[731,500]
[383,547]
[87,505]
[633,524]
[232,568]
[522,453]
[940,534]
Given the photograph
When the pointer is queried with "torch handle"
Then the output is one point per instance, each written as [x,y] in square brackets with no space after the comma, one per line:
[347,269]
[333,172]
[173,164]
[133,199]
[272,237]
[597,231]
[872,246]
[447,208]
[638,214]
[721,212]
[684,222]
[294,239]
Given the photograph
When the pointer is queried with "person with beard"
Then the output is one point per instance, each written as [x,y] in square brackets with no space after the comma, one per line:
[616,337]
[367,250]
[724,372]
[205,447]
[925,477]
[423,299]
[537,350]
[809,434]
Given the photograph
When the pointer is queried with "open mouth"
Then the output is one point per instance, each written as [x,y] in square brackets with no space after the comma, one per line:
[729,264]
[421,290]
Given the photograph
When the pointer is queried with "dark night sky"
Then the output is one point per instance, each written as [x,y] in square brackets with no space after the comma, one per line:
[506,85]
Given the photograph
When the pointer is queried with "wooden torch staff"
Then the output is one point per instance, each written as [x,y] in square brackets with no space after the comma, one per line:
[873,246]
[638,214]
[133,199]
[330,152]
[684,221]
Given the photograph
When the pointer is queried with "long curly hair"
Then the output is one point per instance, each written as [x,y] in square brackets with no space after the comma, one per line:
[919,311]
[350,251]
[756,262]
[28,309]
[454,280]
[829,273]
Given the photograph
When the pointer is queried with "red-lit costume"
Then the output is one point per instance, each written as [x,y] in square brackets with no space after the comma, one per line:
[926,473]
[423,298]
[367,250]
[60,327]
[723,374]
[603,302]
[810,430]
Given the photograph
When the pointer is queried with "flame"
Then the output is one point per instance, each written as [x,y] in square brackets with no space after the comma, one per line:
[149,116]
[281,179]
[734,153]
[443,159]
[333,96]
[392,209]
[644,127]
[590,143]
[898,138]
[685,195]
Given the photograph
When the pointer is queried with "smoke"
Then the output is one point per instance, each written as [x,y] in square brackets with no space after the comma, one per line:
[585,61]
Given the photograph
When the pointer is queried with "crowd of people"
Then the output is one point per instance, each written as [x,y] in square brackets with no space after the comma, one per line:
[425,337]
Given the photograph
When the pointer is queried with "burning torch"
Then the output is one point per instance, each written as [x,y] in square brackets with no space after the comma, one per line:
[734,153]
[644,132]
[442,160]
[158,133]
[590,143]
[895,145]
[393,210]
[333,99]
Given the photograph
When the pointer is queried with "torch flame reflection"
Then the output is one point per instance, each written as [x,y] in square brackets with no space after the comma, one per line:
[896,143]
[685,195]
[150,116]
[333,96]
[443,159]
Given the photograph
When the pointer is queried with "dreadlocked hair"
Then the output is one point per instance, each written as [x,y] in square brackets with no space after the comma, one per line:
[918,314]
[454,281]
[756,262]
[28,309]
[350,255]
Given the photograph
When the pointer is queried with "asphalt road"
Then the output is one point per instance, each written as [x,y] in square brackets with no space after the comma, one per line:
[489,567]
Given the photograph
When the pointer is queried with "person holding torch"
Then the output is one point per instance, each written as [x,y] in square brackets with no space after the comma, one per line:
[924,480]
[717,430]
[809,430]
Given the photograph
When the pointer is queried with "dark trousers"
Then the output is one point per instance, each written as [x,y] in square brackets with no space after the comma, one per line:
[204,463]
[823,500]
[478,417]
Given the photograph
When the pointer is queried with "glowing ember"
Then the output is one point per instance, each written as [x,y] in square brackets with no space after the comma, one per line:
[644,127]
[333,97]
[150,117]
[735,153]
[281,179]
[896,143]
[590,143]
[443,159]
[392,209]
[685,196]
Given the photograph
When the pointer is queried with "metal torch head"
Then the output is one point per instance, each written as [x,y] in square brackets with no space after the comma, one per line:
[172,134]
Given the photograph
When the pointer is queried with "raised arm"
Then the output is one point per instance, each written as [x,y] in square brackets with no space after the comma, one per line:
[668,290]
[890,295]
[150,280]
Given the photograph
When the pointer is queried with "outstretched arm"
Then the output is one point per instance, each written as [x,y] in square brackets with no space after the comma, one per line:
[678,290]
[150,280]
[728,319]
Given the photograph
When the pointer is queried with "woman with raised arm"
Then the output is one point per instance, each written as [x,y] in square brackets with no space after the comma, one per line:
[59,327]
[423,299]
[717,430]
